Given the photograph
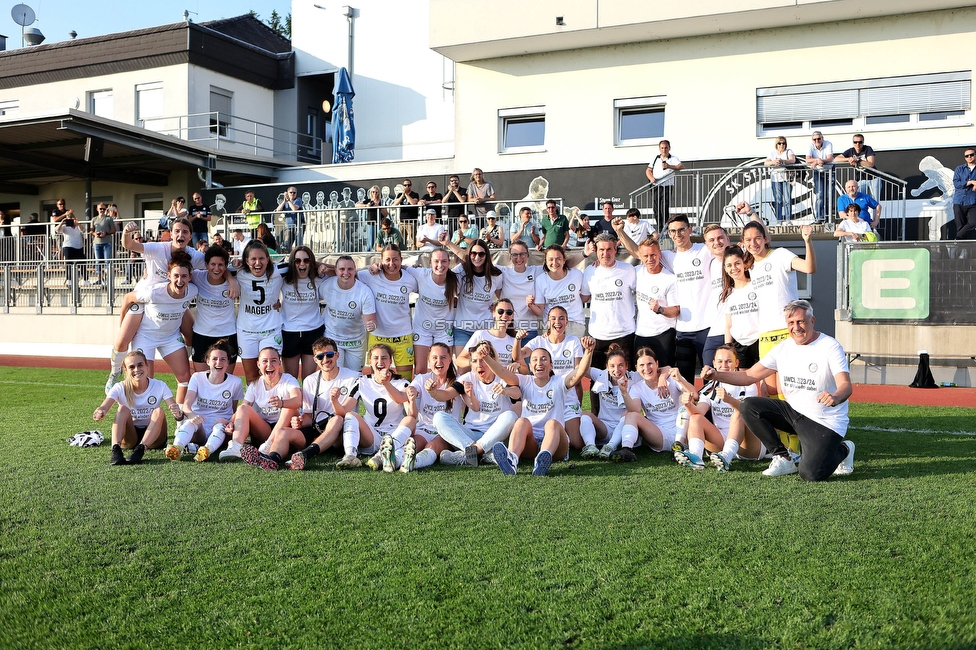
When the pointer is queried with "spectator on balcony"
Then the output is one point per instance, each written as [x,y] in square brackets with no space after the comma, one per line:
[861,158]
[291,205]
[603,225]
[455,198]
[240,241]
[466,232]
[199,219]
[638,230]
[964,200]
[820,157]
[61,212]
[177,210]
[388,235]
[429,235]
[778,159]
[32,236]
[493,233]
[251,208]
[480,192]
[863,201]
[432,197]
[525,229]
[220,242]
[374,200]
[407,198]
[268,239]
[661,174]
[103,229]
[6,220]
[554,226]
[854,227]
[72,245]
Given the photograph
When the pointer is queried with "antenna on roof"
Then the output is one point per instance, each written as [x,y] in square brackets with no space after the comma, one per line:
[24,16]
[186,15]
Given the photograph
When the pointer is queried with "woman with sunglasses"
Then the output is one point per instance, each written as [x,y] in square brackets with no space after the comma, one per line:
[391,286]
[480,285]
[327,395]
[559,286]
[216,319]
[502,336]
[465,234]
[300,313]
[779,178]
[350,312]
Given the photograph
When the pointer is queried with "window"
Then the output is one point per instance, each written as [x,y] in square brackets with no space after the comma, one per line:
[639,120]
[101,103]
[929,99]
[10,107]
[149,105]
[522,129]
[220,108]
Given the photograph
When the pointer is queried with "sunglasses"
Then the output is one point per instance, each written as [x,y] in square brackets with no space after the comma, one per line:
[969,155]
[859,142]
[504,312]
[325,355]
[477,253]
[301,260]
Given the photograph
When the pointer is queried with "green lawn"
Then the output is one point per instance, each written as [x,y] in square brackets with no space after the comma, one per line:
[596,555]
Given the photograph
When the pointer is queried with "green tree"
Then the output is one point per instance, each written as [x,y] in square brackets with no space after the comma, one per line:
[276,23]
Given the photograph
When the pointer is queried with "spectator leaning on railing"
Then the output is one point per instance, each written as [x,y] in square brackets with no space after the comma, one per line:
[251,209]
[103,228]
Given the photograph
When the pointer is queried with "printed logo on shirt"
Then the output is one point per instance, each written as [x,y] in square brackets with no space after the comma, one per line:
[572,287]
[566,353]
[309,285]
[619,283]
[696,262]
[352,304]
[416,337]
[549,394]
[529,277]
[654,291]
[152,400]
[134,306]
[223,294]
[186,304]
[225,394]
[508,347]
[752,295]
[343,390]
[426,325]
[768,266]
[403,290]
[813,367]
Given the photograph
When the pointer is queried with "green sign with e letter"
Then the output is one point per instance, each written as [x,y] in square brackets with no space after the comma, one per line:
[890,284]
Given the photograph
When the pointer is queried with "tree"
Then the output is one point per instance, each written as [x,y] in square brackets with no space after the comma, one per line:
[275,22]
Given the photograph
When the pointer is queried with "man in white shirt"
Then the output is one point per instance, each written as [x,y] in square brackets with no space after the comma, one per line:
[661,173]
[820,157]
[240,241]
[816,381]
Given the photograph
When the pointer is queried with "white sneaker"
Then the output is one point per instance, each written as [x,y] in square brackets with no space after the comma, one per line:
[449,457]
[233,452]
[847,465]
[780,467]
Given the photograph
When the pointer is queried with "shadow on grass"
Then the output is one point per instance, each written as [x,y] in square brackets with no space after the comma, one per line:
[731,642]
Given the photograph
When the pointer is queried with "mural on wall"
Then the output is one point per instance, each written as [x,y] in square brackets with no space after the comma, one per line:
[939,208]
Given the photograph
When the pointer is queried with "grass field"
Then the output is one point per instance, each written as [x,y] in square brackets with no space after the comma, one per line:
[596,555]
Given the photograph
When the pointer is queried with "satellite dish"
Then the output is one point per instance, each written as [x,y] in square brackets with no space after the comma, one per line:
[23,15]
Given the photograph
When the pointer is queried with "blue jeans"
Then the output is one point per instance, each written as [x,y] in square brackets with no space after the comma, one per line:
[198,236]
[823,193]
[783,200]
[102,252]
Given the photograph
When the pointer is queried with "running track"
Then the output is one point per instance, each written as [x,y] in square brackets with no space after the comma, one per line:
[869,393]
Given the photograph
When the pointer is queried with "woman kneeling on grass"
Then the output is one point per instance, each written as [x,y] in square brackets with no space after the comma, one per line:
[384,432]
[611,385]
[211,399]
[658,396]
[539,432]
[490,415]
[726,436]
[275,397]
[140,422]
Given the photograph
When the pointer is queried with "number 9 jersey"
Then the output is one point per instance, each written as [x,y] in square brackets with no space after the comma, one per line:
[383,415]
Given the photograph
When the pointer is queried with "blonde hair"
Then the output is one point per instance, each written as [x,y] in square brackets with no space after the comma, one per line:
[128,383]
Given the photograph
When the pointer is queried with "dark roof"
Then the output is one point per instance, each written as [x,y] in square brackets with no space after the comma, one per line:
[237,47]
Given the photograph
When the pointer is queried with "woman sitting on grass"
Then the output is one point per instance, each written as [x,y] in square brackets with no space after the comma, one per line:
[274,397]
[540,432]
[384,431]
[658,397]
[211,399]
[726,436]
[140,422]
[491,412]
[421,391]
[611,385]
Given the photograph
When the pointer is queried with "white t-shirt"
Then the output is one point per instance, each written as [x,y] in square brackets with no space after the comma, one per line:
[564,355]
[715,314]
[742,307]
[256,312]
[612,405]
[639,231]
[611,294]
[144,403]
[563,293]
[72,237]
[665,177]
[258,395]
[650,286]
[504,345]
[662,411]
[860,226]
[300,310]
[431,232]
[516,287]
[345,308]
[427,406]
[316,400]
[433,311]
[164,313]
[779,174]
[805,371]
[774,282]
[392,299]
[542,403]
[383,414]
[491,405]
[215,311]
[157,255]
[692,271]
[474,304]
[826,150]
[215,401]
[722,411]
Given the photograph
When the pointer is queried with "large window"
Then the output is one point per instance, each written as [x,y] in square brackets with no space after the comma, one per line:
[9,107]
[522,129]
[101,103]
[638,120]
[894,102]
[149,105]
[221,105]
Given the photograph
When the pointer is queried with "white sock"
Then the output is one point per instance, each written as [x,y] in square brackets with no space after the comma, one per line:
[350,434]
[116,358]
[587,431]
[425,458]
[617,436]
[628,436]
[696,447]
[183,435]
[682,438]
[234,445]
[217,437]
[400,435]
[730,449]
[398,458]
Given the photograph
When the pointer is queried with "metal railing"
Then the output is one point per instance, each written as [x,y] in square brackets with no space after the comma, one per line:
[235,133]
[795,194]
[56,286]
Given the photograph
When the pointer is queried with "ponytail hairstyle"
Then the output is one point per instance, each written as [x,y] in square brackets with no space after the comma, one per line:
[128,383]
[180,258]
[451,285]
[560,308]
[451,370]
[616,350]
[250,246]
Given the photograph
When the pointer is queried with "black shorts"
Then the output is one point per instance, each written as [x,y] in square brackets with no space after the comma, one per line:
[202,343]
[295,344]
[311,433]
